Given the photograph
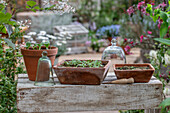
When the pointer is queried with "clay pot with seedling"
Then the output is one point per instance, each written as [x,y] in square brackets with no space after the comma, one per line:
[82,72]
[141,73]
[32,53]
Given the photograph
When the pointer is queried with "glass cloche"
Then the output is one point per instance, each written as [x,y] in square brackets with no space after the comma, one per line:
[114,53]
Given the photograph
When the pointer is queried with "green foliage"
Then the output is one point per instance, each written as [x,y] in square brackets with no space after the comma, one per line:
[135,26]
[82,63]
[28,45]
[163,29]
[8,95]
[163,41]
[94,43]
[32,6]
[9,42]
[164,105]
[106,12]
[132,111]
[47,44]
[37,46]
[164,15]
[8,70]
[158,62]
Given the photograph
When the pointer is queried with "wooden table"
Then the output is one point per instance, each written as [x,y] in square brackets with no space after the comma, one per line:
[104,97]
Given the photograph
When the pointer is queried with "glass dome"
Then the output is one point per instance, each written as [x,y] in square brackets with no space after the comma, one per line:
[114,53]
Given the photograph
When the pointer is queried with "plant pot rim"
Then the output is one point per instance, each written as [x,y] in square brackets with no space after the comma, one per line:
[143,64]
[81,68]
[38,53]
[52,48]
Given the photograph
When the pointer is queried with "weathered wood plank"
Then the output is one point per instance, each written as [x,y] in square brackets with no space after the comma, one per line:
[104,97]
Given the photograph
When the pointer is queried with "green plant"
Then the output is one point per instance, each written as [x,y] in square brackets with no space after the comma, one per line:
[136,25]
[79,63]
[132,68]
[164,106]
[46,44]
[10,65]
[160,61]
[59,6]
[95,43]
[101,12]
[132,111]
[37,46]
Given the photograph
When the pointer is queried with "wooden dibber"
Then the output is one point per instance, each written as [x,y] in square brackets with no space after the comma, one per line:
[121,81]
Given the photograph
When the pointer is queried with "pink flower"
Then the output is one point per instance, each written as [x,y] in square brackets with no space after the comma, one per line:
[161,5]
[152,3]
[88,43]
[160,75]
[131,42]
[143,10]
[160,21]
[141,38]
[130,10]
[150,32]
[140,4]
[127,47]
[125,40]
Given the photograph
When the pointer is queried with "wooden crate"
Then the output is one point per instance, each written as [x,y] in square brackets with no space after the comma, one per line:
[76,98]
[80,36]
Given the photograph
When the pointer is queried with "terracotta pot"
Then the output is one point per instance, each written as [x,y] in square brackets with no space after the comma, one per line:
[82,75]
[110,39]
[31,58]
[140,76]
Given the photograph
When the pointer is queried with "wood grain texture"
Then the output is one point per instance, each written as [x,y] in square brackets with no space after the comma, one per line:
[105,97]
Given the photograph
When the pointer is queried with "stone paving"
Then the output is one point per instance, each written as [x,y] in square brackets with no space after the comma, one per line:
[97,56]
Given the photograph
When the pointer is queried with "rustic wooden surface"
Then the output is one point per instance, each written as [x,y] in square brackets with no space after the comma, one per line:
[75,98]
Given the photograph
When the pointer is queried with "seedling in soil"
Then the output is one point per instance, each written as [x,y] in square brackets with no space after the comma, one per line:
[133,68]
[79,63]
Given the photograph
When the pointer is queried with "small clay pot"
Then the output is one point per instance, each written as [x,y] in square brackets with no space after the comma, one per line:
[31,58]
[140,76]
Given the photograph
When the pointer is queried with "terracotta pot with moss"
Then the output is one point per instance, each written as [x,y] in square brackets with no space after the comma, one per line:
[31,57]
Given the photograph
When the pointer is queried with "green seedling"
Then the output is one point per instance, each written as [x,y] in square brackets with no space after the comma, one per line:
[47,44]
[79,63]
[28,45]
[35,46]
[39,45]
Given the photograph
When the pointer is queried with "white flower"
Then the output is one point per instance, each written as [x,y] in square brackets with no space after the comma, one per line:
[42,37]
[64,42]
[167,59]
[58,44]
[42,33]
[31,33]
[59,38]
[153,54]
[51,36]
[26,36]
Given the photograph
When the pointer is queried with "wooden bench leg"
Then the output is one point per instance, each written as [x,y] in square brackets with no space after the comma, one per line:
[152,110]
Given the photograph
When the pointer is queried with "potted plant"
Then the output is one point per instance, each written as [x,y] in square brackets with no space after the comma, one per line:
[141,73]
[82,72]
[31,55]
